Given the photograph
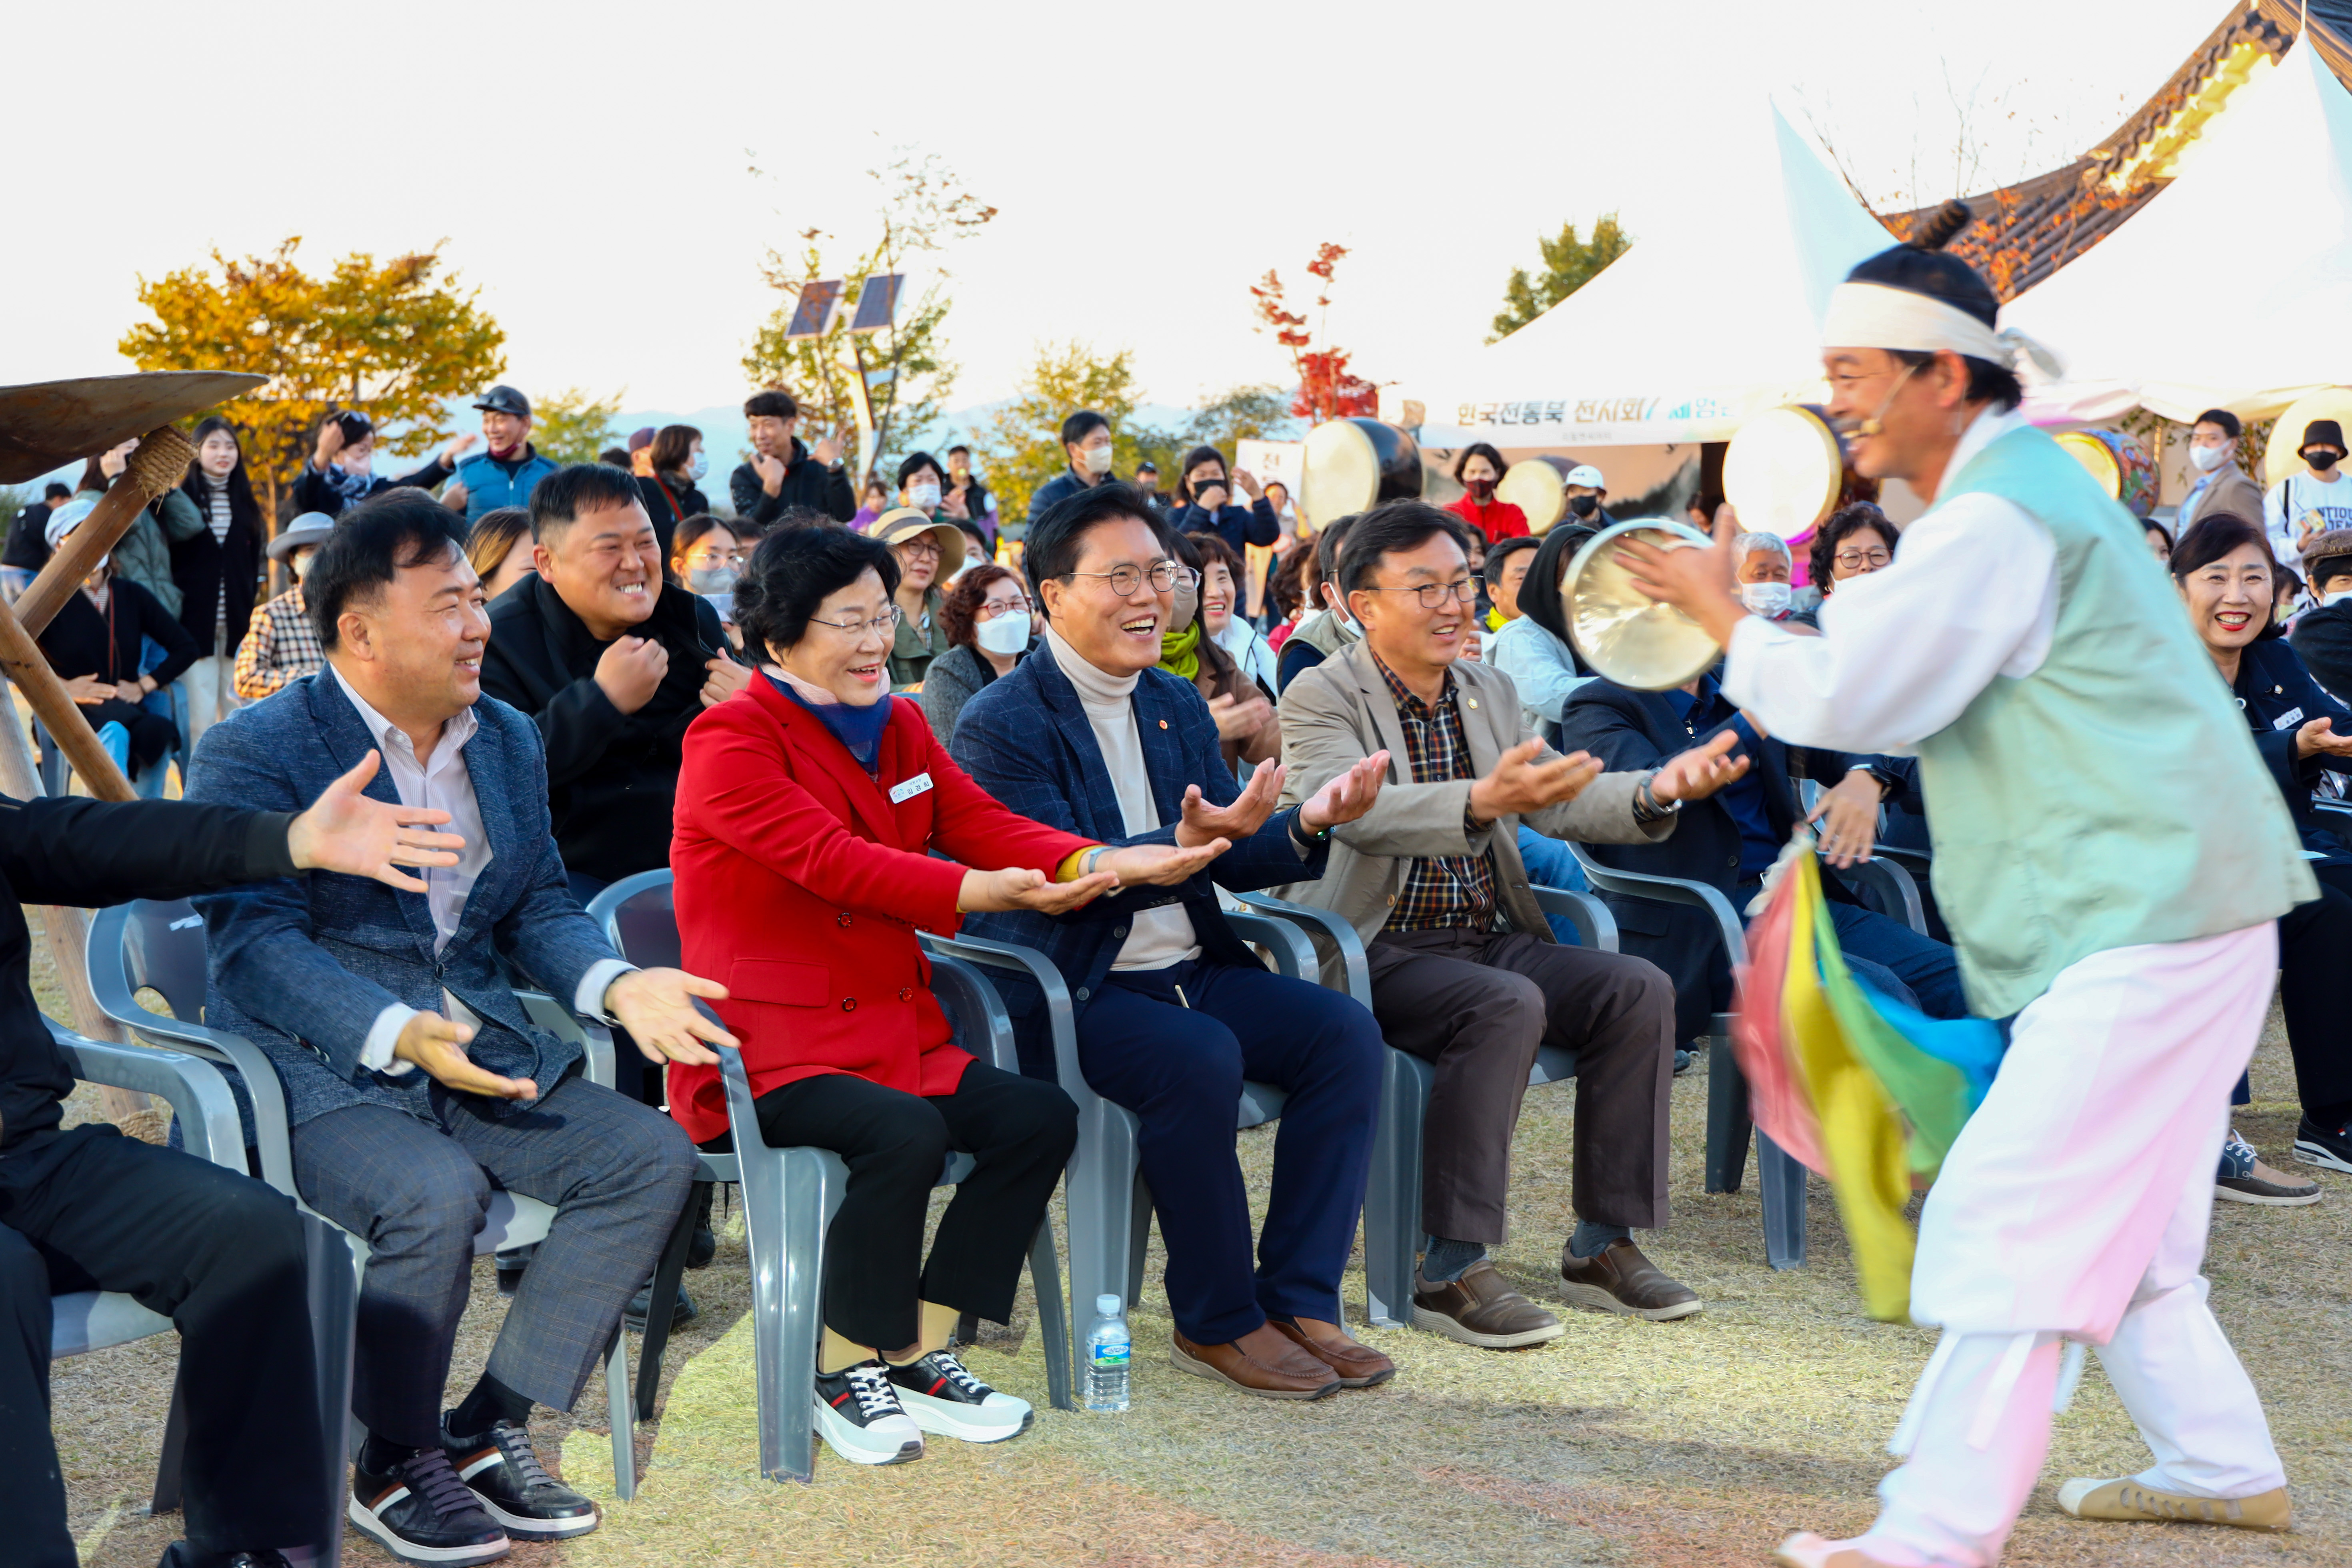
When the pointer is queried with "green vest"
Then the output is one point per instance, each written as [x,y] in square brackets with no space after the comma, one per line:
[2114,797]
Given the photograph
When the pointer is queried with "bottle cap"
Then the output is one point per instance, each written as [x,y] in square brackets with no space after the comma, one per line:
[1106,1306]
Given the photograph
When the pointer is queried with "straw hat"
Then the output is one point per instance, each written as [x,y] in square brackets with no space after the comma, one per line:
[902,523]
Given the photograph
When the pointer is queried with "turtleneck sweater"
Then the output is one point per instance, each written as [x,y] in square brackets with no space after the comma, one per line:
[1156,937]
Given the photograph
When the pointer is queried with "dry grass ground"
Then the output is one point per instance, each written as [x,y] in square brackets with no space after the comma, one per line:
[1690,1445]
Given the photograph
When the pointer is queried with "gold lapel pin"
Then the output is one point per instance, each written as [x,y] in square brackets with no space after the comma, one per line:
[1472,700]
[1163,723]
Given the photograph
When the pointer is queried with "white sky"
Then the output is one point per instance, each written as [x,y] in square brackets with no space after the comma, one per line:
[587,163]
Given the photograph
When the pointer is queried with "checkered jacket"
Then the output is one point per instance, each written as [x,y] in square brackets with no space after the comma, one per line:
[279,647]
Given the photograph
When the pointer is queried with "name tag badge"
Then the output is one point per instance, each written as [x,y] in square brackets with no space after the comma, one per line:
[2292,716]
[902,792]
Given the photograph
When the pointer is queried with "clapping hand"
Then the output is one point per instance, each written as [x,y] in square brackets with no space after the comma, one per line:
[1022,887]
[2319,738]
[657,1007]
[437,1045]
[1247,814]
[1847,815]
[345,831]
[1521,784]
[1700,771]
[1238,721]
[1346,797]
[1159,864]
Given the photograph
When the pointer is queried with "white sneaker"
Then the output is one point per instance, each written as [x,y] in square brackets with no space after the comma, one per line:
[2086,1498]
[860,1418]
[942,1397]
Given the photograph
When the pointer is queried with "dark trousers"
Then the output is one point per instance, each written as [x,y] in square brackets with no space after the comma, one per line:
[1019,1131]
[2315,947]
[1178,1062]
[222,1255]
[617,1173]
[1477,1006]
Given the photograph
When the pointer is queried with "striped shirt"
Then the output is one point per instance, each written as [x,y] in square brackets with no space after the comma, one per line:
[1442,893]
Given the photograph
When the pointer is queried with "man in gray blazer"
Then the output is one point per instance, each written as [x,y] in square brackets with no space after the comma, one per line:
[2219,484]
[1466,973]
[414,1083]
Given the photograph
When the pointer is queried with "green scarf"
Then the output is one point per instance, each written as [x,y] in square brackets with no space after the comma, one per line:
[1180,652]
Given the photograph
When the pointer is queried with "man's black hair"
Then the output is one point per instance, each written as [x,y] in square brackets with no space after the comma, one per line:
[915,463]
[56,491]
[958,447]
[559,500]
[790,574]
[1922,266]
[370,546]
[772,404]
[1147,466]
[1502,552]
[1056,539]
[1328,541]
[1388,529]
[2326,570]
[2229,424]
[1539,599]
[1081,424]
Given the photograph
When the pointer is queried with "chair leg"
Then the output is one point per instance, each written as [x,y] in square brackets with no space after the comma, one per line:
[1726,1114]
[1783,1183]
[1053,1318]
[668,1273]
[334,1291]
[175,1448]
[1100,1195]
[617,1408]
[788,1296]
[1392,1194]
[1138,1244]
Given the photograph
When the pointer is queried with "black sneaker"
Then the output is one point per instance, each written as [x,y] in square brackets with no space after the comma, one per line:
[704,1246]
[514,1488]
[421,1512]
[942,1397]
[682,1311]
[2316,1145]
[180,1554]
[860,1418]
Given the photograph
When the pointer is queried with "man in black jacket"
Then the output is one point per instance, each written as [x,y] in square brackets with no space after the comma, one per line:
[783,471]
[2323,635]
[1729,841]
[85,1209]
[1086,442]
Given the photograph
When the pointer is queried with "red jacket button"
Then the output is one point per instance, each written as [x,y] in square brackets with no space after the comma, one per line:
[842,919]
[849,1004]
[906,993]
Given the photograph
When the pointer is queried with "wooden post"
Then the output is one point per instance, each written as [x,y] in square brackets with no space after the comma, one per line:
[20,656]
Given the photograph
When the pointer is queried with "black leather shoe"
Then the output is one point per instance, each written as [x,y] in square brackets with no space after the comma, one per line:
[514,1488]
[682,1311]
[704,1246]
[180,1554]
[421,1512]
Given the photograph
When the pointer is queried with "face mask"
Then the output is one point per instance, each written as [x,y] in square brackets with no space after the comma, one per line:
[302,564]
[713,579]
[1004,635]
[1765,598]
[1097,459]
[1187,605]
[1481,490]
[2321,458]
[924,498]
[1584,506]
[699,466]
[2335,596]
[2208,458]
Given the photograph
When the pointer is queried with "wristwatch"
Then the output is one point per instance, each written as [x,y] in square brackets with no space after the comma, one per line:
[1647,807]
[1306,837]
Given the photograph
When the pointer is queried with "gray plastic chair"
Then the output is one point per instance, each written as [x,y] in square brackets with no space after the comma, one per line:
[87,1320]
[790,1195]
[160,945]
[1727,1122]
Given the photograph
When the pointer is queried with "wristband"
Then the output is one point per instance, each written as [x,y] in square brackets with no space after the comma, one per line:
[1647,807]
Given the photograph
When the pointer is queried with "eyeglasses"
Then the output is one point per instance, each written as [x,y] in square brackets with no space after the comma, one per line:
[885,623]
[921,544]
[1009,607]
[1433,596]
[1853,559]
[1166,578]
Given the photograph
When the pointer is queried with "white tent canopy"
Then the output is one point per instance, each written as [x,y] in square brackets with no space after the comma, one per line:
[1713,315]
[2232,287]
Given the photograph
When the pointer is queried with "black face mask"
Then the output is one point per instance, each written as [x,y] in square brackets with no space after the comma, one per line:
[2322,458]
[1201,488]
[1482,491]
[1584,506]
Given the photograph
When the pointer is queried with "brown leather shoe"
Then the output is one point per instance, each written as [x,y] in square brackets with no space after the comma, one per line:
[1481,1309]
[1618,1278]
[1359,1365]
[1298,1375]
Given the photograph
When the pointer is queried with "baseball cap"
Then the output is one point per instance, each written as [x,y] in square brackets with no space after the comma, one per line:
[1588,476]
[641,439]
[503,399]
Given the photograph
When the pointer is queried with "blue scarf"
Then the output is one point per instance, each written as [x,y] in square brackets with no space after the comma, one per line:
[859,730]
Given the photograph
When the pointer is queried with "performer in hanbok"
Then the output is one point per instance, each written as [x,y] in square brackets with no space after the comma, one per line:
[2073,745]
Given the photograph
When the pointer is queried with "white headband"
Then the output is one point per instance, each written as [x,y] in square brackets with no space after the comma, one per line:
[1874,316]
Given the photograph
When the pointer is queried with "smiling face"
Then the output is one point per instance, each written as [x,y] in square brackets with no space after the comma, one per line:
[853,665]
[217,455]
[1506,592]
[1216,598]
[919,561]
[771,437]
[1116,633]
[606,567]
[1412,638]
[2229,600]
[504,432]
[1919,413]
[1764,566]
[1860,553]
[415,649]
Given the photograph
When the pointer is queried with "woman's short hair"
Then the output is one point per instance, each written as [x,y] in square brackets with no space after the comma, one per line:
[1193,459]
[673,446]
[1479,450]
[492,538]
[959,611]
[690,532]
[915,463]
[1214,552]
[1289,589]
[1843,525]
[2208,539]
[790,576]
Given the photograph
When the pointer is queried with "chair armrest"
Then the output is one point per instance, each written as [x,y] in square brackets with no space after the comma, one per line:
[1594,924]
[1894,887]
[604,908]
[2331,806]
[1293,950]
[195,1089]
[272,1137]
[1671,891]
[988,1027]
[1061,1013]
[595,1040]
[1343,935]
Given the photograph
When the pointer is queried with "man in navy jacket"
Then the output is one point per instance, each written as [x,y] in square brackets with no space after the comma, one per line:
[1173,1012]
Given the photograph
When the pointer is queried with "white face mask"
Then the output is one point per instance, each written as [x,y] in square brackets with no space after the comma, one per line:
[1004,635]
[698,467]
[1097,459]
[2335,596]
[924,497]
[302,563]
[2208,458]
[1765,598]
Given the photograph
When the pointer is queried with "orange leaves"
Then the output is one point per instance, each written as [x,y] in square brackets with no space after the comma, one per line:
[1327,388]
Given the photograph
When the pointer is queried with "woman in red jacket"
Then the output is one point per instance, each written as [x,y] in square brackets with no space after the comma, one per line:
[807,807]
[1480,469]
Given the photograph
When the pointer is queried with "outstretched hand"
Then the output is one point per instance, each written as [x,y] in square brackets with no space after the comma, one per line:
[1023,888]
[1159,864]
[657,1007]
[2319,738]
[1522,782]
[437,1045]
[1702,584]
[345,831]
[1345,796]
[1203,821]
[1700,771]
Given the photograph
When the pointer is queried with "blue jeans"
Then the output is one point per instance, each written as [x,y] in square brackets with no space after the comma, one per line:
[1551,864]
[1888,955]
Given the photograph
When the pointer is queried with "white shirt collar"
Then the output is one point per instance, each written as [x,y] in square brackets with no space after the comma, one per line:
[454,731]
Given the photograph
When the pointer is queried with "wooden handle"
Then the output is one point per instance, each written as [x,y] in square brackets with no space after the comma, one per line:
[161,454]
[68,726]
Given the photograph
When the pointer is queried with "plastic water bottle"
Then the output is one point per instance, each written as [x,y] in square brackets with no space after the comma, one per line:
[1108,1349]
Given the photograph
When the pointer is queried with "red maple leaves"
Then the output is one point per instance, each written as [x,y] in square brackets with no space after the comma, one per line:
[1328,389]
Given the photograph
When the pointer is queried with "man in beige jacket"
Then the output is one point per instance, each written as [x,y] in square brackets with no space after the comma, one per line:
[1464,971]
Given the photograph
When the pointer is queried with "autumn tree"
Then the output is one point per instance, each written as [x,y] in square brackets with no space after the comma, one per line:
[924,210]
[1328,389]
[395,338]
[1569,264]
[571,427]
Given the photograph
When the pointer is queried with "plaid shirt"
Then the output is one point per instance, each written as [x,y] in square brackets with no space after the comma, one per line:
[279,647]
[1441,892]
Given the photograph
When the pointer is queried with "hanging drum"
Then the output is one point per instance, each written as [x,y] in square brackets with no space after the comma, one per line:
[1784,470]
[1623,631]
[2118,462]
[2283,455]
[1537,487]
[1352,465]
